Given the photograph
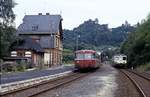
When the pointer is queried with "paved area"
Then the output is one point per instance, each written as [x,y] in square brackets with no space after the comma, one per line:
[7,78]
[98,84]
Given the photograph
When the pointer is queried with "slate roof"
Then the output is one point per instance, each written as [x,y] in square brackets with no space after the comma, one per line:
[27,43]
[40,24]
[47,42]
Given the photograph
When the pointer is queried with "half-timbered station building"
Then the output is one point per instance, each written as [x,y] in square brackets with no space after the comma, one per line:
[42,35]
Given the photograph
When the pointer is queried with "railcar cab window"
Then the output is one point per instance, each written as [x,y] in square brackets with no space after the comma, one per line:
[79,56]
[84,56]
[89,56]
[124,58]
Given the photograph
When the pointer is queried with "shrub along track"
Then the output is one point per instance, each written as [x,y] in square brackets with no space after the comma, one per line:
[37,89]
[140,80]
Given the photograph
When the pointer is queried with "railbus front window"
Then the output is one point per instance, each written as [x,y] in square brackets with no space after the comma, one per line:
[84,56]
[89,56]
[79,56]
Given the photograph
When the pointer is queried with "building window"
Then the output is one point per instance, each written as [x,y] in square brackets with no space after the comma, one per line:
[13,53]
[60,44]
[34,28]
[27,54]
[56,41]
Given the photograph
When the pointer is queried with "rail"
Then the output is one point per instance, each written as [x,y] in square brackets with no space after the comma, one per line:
[5,88]
[141,74]
[59,83]
[42,86]
[141,91]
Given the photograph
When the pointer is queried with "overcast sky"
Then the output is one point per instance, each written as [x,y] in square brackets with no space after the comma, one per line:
[75,12]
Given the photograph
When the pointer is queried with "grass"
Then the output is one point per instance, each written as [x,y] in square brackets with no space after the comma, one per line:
[68,62]
[144,67]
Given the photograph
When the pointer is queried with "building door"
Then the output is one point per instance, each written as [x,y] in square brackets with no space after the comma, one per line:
[46,58]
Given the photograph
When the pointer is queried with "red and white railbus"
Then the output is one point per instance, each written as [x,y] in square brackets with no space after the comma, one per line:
[87,59]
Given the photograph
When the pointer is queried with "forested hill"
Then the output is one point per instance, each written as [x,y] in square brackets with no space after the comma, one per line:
[91,35]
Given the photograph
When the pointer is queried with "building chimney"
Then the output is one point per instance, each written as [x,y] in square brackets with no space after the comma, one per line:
[40,13]
[47,14]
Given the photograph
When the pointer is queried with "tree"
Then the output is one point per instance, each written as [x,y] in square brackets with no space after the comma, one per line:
[7,15]
[137,46]
[7,31]
[92,34]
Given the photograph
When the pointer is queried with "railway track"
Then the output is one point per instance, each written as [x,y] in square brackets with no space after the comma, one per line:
[144,75]
[38,89]
[140,80]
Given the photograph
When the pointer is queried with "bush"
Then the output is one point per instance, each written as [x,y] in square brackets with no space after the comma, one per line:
[21,66]
[8,66]
[144,67]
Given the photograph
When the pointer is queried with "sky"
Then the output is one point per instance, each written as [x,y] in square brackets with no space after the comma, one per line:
[75,12]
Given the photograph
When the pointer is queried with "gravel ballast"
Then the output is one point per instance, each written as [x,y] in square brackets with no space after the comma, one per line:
[98,84]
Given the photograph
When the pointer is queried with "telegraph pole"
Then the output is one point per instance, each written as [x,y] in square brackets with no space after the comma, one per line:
[77,40]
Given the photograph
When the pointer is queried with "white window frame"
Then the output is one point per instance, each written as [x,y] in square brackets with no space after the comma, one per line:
[28,53]
[13,53]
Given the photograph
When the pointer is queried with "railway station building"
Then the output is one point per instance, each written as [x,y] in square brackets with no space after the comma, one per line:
[41,39]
